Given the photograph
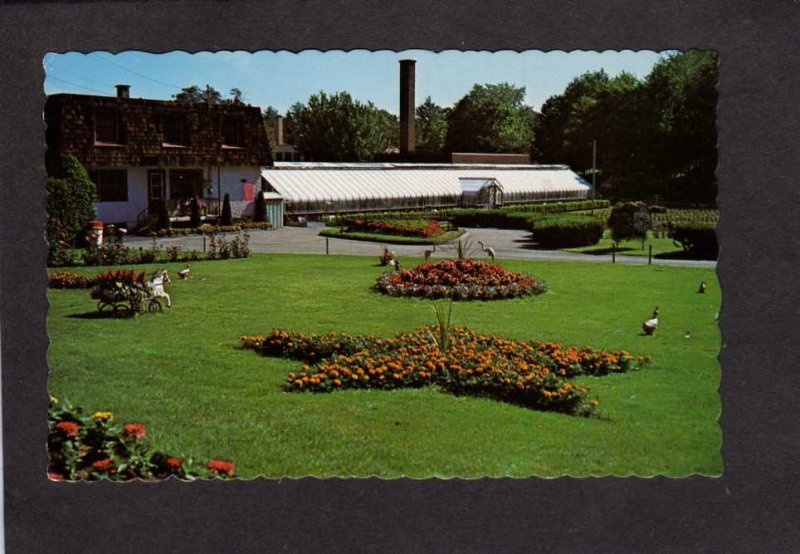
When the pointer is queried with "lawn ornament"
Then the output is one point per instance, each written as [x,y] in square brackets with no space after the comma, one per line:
[429,252]
[688,334]
[487,250]
[386,257]
[650,325]
[184,273]
[702,289]
[157,282]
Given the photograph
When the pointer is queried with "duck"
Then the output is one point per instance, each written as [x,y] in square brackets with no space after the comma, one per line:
[184,273]
[702,288]
[650,325]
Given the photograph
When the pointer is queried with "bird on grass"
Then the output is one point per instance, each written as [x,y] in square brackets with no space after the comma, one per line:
[688,334]
[429,252]
[650,325]
[702,288]
[487,250]
[184,273]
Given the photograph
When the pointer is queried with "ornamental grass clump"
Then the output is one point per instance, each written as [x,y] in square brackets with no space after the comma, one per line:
[88,447]
[531,374]
[460,279]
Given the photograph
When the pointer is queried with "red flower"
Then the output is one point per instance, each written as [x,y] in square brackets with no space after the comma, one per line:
[174,463]
[69,428]
[55,476]
[221,466]
[135,430]
[103,465]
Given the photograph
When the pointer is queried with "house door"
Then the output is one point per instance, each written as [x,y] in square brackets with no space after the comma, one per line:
[156,192]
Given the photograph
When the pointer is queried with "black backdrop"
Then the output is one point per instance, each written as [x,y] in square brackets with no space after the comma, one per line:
[753,506]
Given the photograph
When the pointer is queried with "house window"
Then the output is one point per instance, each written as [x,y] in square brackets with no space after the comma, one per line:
[232,132]
[107,126]
[176,130]
[111,184]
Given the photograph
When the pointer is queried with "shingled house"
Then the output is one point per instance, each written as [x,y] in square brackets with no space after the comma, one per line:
[141,152]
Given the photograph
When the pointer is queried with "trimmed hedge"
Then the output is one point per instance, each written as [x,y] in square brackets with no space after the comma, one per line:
[559,207]
[567,231]
[697,239]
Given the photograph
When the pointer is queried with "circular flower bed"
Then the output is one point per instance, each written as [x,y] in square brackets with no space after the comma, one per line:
[460,280]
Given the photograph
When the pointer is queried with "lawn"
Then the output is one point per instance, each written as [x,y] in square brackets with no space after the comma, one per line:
[182,374]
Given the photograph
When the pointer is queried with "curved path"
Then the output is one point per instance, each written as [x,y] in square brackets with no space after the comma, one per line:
[507,244]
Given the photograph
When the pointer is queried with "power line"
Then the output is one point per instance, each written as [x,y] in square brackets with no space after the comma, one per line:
[110,60]
[76,84]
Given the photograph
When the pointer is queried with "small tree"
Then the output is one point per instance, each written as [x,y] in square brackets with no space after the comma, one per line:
[226,218]
[629,220]
[70,200]
[259,209]
[195,212]
[163,216]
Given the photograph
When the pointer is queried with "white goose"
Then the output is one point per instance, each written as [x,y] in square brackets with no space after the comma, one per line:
[650,325]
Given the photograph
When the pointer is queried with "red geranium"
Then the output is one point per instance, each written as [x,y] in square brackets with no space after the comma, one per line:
[174,463]
[69,428]
[55,476]
[103,465]
[221,466]
[135,430]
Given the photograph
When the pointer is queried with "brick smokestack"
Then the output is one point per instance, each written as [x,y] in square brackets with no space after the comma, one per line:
[408,141]
[123,91]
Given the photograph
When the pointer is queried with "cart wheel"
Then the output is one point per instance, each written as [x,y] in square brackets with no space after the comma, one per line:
[103,306]
[121,310]
[154,306]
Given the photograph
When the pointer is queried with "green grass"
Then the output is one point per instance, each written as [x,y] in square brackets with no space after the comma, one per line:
[336,233]
[182,374]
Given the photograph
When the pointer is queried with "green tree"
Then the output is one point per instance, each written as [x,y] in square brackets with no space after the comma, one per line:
[336,127]
[491,118]
[195,95]
[431,122]
[70,200]
[226,218]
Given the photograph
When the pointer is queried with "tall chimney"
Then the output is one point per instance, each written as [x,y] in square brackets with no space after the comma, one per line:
[277,128]
[123,91]
[408,141]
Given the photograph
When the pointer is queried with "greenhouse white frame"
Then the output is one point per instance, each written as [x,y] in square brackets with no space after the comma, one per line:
[317,188]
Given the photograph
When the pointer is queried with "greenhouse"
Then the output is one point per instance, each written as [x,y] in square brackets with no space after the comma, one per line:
[316,188]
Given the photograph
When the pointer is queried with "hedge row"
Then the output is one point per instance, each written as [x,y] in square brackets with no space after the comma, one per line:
[549,230]
[559,207]
[697,239]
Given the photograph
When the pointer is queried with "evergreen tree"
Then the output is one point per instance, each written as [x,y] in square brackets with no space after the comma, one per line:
[70,199]
[163,216]
[195,218]
[259,209]
[226,218]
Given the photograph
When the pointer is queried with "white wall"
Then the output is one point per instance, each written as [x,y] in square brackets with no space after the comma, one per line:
[230,178]
[118,212]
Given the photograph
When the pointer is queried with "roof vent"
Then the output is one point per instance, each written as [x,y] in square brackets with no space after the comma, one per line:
[123,91]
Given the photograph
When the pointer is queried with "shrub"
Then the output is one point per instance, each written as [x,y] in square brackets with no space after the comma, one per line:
[226,217]
[425,228]
[163,216]
[530,374]
[567,231]
[194,208]
[70,200]
[92,447]
[259,208]
[700,240]
[629,220]
[68,280]
[461,279]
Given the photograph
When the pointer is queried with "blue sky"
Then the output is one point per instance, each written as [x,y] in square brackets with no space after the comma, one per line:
[283,78]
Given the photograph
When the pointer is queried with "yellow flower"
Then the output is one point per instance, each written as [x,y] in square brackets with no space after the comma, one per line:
[102,416]
[53,400]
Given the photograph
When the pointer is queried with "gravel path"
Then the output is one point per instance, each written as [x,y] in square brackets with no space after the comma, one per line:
[507,244]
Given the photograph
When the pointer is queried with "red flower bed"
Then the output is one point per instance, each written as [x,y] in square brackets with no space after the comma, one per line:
[462,279]
[531,374]
[406,227]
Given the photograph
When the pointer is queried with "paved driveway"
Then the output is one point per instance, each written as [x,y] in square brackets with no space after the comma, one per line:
[506,243]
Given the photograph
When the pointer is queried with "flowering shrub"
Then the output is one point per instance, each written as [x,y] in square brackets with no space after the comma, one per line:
[91,447]
[424,228]
[462,279]
[68,280]
[530,374]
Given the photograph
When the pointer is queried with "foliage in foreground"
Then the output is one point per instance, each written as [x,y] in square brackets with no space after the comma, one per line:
[92,447]
[531,374]
[461,279]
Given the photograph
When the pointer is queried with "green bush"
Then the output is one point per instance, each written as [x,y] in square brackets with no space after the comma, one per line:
[700,240]
[70,201]
[567,231]
[629,220]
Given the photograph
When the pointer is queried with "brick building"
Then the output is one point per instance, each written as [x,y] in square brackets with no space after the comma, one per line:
[140,152]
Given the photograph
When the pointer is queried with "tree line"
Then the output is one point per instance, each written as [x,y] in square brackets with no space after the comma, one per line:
[655,137]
